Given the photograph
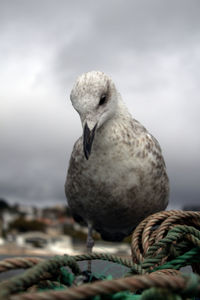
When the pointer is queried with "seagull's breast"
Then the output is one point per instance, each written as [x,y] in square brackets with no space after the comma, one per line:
[125,176]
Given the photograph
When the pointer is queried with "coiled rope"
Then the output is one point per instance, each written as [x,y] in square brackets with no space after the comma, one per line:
[161,245]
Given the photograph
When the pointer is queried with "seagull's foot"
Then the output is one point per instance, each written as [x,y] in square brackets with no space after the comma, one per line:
[90,245]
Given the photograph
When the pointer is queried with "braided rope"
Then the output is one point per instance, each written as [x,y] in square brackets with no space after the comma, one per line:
[33,275]
[104,256]
[18,263]
[173,283]
[28,262]
[144,235]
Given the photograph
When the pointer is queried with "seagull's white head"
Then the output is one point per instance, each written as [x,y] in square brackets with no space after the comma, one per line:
[95,98]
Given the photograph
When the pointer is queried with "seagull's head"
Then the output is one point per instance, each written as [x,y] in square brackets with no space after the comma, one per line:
[95,98]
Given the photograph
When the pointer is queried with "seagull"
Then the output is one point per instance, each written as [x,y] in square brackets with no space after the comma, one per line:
[117,175]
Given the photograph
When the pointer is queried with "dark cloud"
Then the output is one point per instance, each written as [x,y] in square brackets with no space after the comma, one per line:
[143,28]
[150,48]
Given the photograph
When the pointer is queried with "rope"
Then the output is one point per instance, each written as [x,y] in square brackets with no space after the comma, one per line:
[161,245]
[18,263]
[175,284]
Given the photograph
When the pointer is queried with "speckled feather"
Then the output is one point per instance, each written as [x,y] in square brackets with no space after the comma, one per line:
[125,178]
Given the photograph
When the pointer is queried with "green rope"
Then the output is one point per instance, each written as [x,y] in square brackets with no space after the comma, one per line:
[187,258]
[33,275]
[153,258]
[175,234]
[105,256]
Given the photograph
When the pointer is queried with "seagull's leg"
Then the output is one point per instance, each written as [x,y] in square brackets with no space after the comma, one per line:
[90,244]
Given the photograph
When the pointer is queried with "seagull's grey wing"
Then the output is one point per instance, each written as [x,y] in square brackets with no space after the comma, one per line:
[149,149]
[147,142]
[74,168]
[72,184]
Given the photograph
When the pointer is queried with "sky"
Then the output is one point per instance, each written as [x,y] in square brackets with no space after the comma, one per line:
[151,49]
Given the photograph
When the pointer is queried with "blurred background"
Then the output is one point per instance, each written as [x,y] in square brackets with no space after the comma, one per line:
[151,49]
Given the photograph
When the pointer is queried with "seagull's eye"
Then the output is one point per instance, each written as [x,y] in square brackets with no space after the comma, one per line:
[102,100]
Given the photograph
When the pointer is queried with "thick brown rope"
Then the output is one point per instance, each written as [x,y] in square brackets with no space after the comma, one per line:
[174,283]
[18,263]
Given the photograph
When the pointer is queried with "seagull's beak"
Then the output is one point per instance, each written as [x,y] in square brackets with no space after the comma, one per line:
[88,137]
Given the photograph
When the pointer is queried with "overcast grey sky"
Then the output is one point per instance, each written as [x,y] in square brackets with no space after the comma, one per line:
[151,49]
